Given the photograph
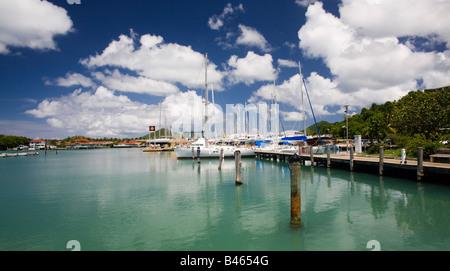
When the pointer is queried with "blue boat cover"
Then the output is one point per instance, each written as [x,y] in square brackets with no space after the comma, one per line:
[294,138]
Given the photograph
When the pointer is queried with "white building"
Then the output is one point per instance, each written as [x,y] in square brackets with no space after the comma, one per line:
[38,144]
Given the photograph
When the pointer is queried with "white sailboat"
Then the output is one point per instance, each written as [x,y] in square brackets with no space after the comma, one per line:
[208,150]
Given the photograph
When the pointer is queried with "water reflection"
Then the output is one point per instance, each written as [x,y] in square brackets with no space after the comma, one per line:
[128,200]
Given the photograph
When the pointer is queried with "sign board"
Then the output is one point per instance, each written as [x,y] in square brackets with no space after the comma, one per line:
[152,128]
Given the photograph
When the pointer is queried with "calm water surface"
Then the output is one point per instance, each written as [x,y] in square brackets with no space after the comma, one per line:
[125,199]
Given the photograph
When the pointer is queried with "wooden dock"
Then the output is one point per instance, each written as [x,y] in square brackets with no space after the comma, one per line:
[412,169]
[16,154]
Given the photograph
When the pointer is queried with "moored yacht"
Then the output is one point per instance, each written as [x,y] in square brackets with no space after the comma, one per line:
[210,151]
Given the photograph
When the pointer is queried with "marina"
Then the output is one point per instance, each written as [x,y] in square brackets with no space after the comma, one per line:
[126,199]
[237,127]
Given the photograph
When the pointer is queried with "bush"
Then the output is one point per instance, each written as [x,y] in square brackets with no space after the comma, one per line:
[375,148]
[429,147]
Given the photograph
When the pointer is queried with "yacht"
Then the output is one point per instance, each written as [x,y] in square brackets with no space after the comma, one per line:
[210,150]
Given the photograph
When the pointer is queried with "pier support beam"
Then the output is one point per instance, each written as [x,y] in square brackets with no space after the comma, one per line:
[220,159]
[420,164]
[328,157]
[198,154]
[380,168]
[352,159]
[312,156]
[237,158]
[295,168]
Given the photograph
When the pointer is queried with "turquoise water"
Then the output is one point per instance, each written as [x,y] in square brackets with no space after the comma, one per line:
[125,199]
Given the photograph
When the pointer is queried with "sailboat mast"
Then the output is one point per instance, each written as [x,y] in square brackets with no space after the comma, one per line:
[206,98]
[275,122]
[303,104]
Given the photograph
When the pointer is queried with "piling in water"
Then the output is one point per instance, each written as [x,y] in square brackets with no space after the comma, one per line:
[380,167]
[352,157]
[295,168]
[328,157]
[237,158]
[198,154]
[220,159]
[420,164]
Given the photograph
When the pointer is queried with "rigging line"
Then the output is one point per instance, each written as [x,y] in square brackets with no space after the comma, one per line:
[317,127]
[198,76]
[282,126]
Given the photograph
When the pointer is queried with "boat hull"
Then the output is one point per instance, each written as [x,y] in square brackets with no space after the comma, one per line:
[212,152]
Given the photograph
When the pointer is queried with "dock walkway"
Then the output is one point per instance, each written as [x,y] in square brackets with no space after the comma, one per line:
[16,154]
[388,166]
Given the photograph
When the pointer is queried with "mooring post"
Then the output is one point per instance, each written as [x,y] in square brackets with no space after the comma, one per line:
[193,153]
[295,168]
[312,155]
[403,162]
[419,164]
[352,157]
[237,158]
[328,157]
[198,154]
[220,159]
[381,161]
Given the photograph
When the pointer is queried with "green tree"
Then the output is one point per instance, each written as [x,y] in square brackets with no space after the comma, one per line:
[8,142]
[423,113]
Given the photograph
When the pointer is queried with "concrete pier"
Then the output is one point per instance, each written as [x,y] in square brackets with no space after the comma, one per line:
[413,169]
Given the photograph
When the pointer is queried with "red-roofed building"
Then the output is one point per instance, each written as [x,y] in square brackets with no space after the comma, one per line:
[37,144]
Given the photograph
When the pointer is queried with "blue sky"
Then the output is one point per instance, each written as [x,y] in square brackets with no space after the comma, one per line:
[108,68]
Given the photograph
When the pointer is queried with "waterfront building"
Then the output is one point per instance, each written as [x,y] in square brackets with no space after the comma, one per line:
[37,144]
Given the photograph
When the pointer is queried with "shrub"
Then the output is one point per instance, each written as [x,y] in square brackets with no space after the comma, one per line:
[375,148]
[429,147]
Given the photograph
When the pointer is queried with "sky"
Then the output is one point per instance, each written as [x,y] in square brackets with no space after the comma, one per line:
[112,68]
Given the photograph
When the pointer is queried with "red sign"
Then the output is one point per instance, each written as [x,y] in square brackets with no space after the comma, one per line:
[152,128]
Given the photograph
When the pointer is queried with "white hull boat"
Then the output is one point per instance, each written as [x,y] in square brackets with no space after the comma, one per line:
[210,151]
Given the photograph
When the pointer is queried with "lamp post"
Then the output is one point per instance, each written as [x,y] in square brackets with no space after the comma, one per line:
[346,123]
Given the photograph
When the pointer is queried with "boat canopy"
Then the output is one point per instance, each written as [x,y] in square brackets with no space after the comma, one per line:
[294,138]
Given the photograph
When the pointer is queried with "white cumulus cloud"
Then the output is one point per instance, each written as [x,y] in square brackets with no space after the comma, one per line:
[31,24]
[364,52]
[102,112]
[71,79]
[127,83]
[156,60]
[386,18]
[251,37]
[251,68]
[215,22]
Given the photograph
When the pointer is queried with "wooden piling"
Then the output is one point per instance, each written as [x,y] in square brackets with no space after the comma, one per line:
[198,154]
[328,157]
[237,158]
[352,159]
[295,168]
[312,155]
[220,159]
[420,164]
[380,168]
[193,153]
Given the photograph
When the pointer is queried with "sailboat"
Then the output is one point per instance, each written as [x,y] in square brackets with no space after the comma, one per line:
[201,147]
